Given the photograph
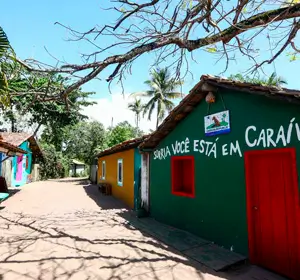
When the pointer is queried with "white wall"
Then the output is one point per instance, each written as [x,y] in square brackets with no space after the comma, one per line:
[145,181]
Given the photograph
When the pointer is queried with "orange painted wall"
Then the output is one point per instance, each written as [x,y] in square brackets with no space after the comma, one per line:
[125,192]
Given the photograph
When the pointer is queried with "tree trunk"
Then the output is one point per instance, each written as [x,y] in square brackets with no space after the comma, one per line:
[157,118]
[13,126]
[137,120]
[37,129]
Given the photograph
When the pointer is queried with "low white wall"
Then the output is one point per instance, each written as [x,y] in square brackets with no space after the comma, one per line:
[145,181]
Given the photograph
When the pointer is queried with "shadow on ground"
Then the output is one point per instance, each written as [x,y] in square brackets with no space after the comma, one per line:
[100,244]
[238,271]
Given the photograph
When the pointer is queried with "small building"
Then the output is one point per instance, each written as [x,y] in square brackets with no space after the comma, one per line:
[7,150]
[225,166]
[21,168]
[77,168]
[120,166]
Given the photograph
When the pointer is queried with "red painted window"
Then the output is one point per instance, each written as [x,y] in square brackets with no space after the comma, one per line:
[182,170]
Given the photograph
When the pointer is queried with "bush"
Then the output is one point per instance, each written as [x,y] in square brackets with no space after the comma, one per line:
[53,165]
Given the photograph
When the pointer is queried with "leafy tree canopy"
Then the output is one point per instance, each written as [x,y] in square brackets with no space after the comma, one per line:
[29,97]
[122,132]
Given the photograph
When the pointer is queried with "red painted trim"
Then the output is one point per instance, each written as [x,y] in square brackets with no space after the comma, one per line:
[251,234]
[247,156]
[173,175]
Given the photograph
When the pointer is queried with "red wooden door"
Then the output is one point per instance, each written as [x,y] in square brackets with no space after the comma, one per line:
[273,210]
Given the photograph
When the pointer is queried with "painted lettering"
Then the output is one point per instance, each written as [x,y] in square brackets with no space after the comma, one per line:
[298,131]
[202,149]
[262,138]
[207,146]
[281,136]
[235,149]
[168,153]
[213,150]
[196,143]
[249,144]
[289,132]
[182,144]
[270,141]
[224,150]
[187,145]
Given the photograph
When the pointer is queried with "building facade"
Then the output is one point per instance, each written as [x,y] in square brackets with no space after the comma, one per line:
[120,166]
[223,165]
[20,169]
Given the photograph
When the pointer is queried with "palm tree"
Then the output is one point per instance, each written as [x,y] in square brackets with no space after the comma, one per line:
[136,107]
[4,46]
[162,88]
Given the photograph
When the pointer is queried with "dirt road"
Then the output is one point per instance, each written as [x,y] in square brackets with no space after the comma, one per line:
[67,230]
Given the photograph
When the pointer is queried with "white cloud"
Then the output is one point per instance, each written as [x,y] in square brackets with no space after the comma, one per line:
[116,107]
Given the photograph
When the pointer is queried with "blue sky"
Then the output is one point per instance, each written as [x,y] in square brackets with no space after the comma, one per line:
[30,27]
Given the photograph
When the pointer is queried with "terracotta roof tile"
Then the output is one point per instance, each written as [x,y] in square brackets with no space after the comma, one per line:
[126,145]
[200,90]
[15,138]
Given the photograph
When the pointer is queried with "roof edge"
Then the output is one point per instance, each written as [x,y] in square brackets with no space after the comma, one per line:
[123,146]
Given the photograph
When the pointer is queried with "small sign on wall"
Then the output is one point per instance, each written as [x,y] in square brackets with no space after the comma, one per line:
[217,123]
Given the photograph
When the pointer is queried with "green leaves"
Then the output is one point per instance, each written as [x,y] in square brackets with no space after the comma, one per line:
[162,89]
[187,4]
[272,80]
[293,56]
[122,132]
[4,43]
[211,49]
[4,47]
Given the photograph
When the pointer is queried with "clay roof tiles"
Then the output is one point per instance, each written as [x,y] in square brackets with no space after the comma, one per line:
[126,145]
[17,138]
[200,90]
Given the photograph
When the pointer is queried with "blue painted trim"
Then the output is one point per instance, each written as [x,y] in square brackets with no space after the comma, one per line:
[137,178]
[218,132]
[25,171]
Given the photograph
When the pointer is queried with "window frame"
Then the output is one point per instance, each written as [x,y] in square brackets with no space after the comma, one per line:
[120,183]
[103,164]
[173,176]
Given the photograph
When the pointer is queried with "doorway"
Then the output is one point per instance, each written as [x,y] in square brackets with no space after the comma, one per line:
[273,210]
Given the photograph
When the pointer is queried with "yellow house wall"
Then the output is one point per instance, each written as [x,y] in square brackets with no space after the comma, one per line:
[125,192]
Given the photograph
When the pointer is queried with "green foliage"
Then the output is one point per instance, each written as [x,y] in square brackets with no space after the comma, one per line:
[4,43]
[53,165]
[273,80]
[28,91]
[211,49]
[4,50]
[162,89]
[83,140]
[137,107]
[122,132]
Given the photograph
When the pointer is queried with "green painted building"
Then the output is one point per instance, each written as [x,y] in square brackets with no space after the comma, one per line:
[224,165]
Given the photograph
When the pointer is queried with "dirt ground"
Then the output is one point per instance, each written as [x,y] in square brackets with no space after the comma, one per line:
[67,230]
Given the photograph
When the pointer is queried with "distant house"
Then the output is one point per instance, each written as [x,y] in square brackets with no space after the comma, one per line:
[21,168]
[7,150]
[120,166]
[225,165]
[77,168]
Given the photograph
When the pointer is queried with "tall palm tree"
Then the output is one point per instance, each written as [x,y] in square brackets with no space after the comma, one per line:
[136,107]
[4,47]
[162,88]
